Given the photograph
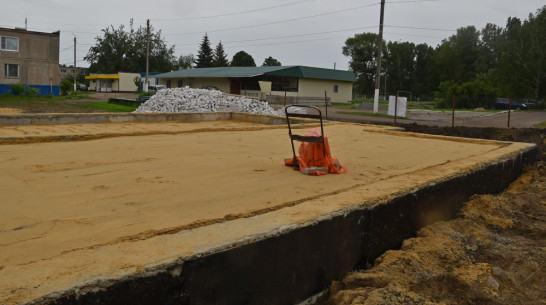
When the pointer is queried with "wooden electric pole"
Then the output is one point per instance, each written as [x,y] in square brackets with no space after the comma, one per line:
[147,54]
[75,69]
[379,51]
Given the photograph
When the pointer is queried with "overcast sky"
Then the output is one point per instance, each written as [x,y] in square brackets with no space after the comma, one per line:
[295,32]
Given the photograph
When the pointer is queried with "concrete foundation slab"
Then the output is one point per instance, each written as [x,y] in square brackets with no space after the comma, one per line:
[204,212]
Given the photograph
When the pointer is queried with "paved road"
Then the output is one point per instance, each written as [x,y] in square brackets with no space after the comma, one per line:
[518,119]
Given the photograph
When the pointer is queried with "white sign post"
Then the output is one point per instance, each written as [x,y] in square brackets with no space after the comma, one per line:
[400,108]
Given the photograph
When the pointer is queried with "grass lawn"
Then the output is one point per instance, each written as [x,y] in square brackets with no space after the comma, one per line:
[109,107]
[64,104]
[541,125]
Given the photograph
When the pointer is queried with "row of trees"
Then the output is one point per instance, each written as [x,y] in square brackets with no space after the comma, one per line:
[475,65]
[208,58]
[122,50]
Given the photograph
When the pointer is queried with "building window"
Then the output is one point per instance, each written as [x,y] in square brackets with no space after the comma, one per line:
[11,70]
[288,84]
[336,88]
[63,71]
[179,83]
[168,83]
[9,44]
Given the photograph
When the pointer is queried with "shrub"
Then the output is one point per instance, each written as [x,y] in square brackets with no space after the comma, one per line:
[66,86]
[17,89]
[469,95]
[32,92]
[144,94]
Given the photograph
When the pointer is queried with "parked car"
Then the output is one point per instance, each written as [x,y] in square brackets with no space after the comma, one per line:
[81,87]
[155,88]
[531,103]
[213,88]
[503,103]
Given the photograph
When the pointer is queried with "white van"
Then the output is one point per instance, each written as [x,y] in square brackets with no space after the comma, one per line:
[155,88]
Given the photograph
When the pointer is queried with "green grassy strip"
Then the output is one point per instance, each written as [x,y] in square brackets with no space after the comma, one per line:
[111,107]
[48,105]
[75,96]
[541,125]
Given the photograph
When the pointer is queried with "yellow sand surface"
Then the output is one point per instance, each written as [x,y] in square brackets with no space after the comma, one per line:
[10,110]
[74,212]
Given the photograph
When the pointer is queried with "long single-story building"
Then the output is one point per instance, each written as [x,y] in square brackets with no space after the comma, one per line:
[300,84]
[119,82]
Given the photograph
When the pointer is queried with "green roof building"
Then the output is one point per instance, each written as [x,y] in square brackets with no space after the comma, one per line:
[300,84]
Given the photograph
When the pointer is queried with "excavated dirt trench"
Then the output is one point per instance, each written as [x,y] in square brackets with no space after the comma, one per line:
[491,253]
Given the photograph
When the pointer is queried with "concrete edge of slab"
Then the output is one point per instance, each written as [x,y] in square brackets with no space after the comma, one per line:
[78,118]
[293,263]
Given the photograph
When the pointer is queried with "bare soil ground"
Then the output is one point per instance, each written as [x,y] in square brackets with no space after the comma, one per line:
[493,252]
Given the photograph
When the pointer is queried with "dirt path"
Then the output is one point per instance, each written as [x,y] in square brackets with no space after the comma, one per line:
[518,119]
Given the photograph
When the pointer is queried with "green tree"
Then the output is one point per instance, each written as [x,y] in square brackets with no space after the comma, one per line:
[119,50]
[161,57]
[399,64]
[242,59]
[184,62]
[204,56]
[456,56]
[138,82]
[362,50]
[522,68]
[219,58]
[424,78]
[531,55]
[270,62]
[109,52]
[490,51]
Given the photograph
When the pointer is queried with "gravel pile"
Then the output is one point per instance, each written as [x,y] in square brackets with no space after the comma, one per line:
[202,100]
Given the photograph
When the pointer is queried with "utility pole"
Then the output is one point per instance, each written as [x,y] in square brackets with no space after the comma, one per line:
[385,89]
[379,51]
[147,54]
[75,69]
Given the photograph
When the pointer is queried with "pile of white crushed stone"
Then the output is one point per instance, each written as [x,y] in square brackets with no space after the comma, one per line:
[202,100]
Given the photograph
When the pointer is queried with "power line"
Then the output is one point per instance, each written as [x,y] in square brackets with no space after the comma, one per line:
[419,28]
[411,1]
[413,35]
[284,42]
[69,47]
[232,14]
[287,36]
[275,22]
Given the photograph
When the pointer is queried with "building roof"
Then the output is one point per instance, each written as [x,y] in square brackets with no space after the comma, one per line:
[150,74]
[240,72]
[23,31]
[107,76]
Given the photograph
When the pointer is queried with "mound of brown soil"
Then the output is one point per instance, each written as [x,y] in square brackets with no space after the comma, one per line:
[493,252]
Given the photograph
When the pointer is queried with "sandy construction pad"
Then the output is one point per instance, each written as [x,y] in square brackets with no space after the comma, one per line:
[10,110]
[75,212]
